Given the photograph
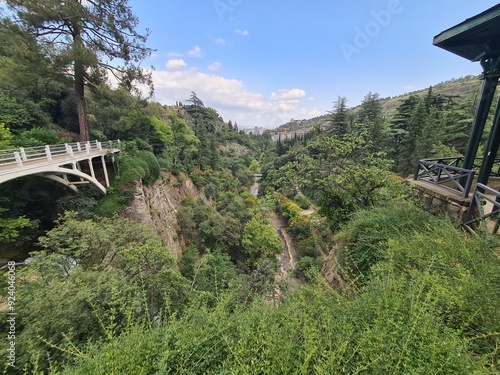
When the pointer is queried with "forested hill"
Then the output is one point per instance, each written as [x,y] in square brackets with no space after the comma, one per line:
[463,87]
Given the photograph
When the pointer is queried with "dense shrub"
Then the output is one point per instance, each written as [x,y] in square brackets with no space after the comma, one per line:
[38,137]
[364,241]
[141,165]
[391,329]
[302,201]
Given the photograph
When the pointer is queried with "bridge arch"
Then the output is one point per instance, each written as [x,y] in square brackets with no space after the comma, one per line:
[58,162]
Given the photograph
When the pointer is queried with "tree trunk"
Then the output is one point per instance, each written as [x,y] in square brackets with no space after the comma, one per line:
[80,85]
[80,103]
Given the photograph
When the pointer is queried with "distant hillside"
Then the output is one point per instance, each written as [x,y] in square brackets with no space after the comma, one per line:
[460,87]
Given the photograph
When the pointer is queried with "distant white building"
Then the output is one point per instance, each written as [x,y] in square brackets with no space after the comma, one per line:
[255,131]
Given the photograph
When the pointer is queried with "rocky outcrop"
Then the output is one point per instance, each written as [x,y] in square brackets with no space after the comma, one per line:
[156,205]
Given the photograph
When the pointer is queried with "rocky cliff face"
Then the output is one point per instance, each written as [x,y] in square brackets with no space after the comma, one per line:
[156,205]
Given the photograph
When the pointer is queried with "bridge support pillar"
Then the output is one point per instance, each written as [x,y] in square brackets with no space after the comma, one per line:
[91,167]
[104,168]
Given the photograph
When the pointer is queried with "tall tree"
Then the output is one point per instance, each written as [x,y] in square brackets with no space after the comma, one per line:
[339,119]
[90,37]
[400,128]
[372,122]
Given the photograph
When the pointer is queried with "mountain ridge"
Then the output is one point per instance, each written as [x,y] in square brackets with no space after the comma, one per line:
[457,87]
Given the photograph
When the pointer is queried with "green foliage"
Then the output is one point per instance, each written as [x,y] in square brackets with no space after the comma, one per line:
[427,127]
[205,227]
[371,123]
[86,37]
[459,276]
[84,204]
[164,132]
[254,166]
[307,268]
[302,201]
[391,329]
[259,240]
[5,138]
[95,279]
[38,137]
[18,115]
[212,276]
[287,208]
[342,175]
[422,310]
[112,203]
[150,130]
[139,165]
[365,238]
[339,118]
[12,228]
[185,145]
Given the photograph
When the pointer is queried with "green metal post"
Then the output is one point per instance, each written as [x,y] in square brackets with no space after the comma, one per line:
[487,93]
[491,149]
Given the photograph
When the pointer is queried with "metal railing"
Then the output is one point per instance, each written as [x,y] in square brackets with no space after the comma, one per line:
[476,213]
[445,173]
[24,154]
[458,161]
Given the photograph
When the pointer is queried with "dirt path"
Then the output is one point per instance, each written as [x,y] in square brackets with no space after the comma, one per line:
[288,258]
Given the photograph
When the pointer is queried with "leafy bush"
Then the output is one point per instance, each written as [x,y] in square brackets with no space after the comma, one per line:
[391,329]
[364,240]
[302,201]
[458,274]
[307,267]
[141,165]
[38,137]
[19,115]
[287,208]
[260,240]
[5,138]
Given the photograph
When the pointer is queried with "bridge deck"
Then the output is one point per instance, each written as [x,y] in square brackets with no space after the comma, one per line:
[57,160]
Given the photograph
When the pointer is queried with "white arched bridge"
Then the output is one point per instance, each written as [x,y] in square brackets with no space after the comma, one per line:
[70,164]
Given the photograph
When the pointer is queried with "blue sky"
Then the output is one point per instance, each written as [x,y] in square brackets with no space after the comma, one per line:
[263,62]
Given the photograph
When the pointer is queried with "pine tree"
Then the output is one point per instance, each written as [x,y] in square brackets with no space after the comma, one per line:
[279,146]
[339,120]
[86,32]
[372,122]
[399,131]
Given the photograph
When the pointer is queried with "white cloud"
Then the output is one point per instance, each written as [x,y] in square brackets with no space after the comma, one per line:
[293,94]
[241,32]
[229,97]
[174,54]
[195,52]
[215,67]
[220,41]
[176,64]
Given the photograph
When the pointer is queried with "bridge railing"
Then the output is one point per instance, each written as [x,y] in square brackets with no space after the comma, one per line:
[446,173]
[23,154]
[484,196]
[457,161]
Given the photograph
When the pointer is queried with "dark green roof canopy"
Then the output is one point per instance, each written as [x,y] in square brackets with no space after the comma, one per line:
[475,38]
